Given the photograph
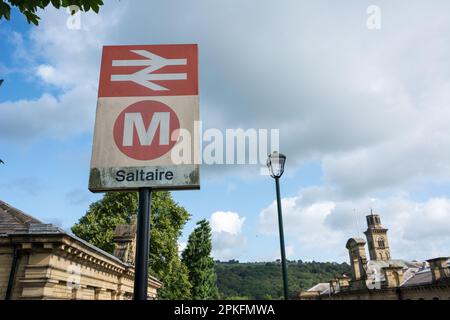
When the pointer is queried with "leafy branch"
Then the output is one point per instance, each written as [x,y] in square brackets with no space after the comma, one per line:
[29,8]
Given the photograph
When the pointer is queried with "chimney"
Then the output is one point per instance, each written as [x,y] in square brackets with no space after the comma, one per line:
[125,241]
[344,282]
[439,268]
[393,276]
[333,286]
[358,259]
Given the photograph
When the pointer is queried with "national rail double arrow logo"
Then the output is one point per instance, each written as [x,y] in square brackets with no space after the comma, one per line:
[144,77]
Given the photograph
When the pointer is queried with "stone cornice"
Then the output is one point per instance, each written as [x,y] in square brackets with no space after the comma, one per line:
[375,230]
[65,245]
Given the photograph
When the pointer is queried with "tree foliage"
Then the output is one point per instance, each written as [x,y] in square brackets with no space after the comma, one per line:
[29,8]
[167,220]
[197,258]
[98,224]
[263,281]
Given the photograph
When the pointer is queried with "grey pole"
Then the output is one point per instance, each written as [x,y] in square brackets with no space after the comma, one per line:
[283,253]
[142,245]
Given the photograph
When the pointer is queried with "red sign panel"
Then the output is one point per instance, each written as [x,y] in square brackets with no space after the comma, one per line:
[149,70]
[146,130]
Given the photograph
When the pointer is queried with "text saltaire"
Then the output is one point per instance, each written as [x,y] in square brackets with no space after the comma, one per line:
[142,175]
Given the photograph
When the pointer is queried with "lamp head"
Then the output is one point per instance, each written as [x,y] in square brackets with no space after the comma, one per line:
[275,163]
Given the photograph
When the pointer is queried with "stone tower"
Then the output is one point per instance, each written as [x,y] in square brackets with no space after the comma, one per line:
[357,253]
[377,239]
[125,241]
[358,262]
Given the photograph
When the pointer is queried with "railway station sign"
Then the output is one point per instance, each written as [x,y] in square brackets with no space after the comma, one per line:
[147,94]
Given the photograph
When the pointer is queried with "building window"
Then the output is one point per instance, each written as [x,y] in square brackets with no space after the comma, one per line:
[380,243]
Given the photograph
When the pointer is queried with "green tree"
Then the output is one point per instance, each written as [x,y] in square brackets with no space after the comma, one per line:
[197,258]
[98,224]
[237,298]
[29,8]
[262,280]
[167,220]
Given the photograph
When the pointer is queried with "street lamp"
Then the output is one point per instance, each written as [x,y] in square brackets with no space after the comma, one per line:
[275,163]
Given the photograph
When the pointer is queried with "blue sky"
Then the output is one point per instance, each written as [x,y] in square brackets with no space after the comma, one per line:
[362,117]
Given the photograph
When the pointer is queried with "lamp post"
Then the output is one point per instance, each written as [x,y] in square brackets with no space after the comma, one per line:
[275,163]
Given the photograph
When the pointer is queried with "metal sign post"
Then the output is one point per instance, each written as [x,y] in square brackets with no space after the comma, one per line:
[142,244]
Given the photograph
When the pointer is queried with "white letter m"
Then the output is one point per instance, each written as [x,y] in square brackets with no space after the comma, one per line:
[134,120]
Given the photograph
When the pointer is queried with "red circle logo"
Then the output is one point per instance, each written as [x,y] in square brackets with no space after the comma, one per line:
[143,131]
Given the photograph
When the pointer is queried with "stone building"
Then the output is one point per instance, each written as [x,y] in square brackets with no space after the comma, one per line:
[384,278]
[41,261]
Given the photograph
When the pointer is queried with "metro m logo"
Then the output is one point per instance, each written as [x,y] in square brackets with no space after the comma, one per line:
[135,120]
[142,131]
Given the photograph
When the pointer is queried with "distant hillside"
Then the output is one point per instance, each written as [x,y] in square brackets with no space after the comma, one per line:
[262,280]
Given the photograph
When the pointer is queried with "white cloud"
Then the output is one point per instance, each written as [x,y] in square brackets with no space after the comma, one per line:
[226,221]
[71,66]
[48,116]
[48,74]
[400,160]
[356,100]
[417,230]
[305,223]
[227,234]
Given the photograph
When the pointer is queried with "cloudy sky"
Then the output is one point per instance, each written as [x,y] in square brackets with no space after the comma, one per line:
[363,116]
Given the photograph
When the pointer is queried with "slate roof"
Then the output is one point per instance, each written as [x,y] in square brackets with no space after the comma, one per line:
[420,278]
[375,273]
[320,287]
[12,219]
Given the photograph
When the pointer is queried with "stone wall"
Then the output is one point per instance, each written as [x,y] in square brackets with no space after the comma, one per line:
[421,292]
[6,254]
[62,268]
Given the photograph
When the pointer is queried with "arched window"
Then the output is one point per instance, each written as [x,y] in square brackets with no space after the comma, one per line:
[380,243]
